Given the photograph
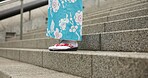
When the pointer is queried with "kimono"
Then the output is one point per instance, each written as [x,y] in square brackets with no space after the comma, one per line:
[65,19]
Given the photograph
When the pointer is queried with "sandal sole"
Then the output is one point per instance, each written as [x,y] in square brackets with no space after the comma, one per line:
[71,49]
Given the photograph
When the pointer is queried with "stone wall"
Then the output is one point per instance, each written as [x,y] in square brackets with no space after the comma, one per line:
[2,36]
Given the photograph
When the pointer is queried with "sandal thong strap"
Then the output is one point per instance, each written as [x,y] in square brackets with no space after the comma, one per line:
[63,44]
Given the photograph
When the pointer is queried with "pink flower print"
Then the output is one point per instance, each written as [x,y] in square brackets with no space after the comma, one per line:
[73,29]
[73,1]
[55,5]
[78,17]
[57,34]
[63,22]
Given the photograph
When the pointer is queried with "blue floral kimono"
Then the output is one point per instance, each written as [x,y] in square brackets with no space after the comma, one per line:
[65,19]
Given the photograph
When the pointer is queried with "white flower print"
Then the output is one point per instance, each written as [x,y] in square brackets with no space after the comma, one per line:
[48,32]
[52,26]
[73,29]
[63,1]
[49,4]
[55,5]
[63,22]
[65,19]
[78,17]
[72,1]
[57,34]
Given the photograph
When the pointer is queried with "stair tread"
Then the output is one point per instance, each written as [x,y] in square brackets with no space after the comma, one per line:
[111,15]
[86,52]
[139,3]
[15,69]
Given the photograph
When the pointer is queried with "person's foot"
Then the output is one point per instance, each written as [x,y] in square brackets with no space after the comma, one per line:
[65,45]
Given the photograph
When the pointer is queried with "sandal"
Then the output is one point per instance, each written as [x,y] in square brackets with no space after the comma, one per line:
[64,47]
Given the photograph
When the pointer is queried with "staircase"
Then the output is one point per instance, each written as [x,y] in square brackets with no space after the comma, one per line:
[115,45]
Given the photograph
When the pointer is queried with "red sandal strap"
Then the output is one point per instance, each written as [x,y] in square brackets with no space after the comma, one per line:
[64,44]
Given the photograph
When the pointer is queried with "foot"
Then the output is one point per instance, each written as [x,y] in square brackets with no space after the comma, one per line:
[65,45]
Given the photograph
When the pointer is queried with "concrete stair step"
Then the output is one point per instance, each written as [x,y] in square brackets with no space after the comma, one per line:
[40,43]
[40,29]
[38,33]
[87,64]
[30,32]
[35,35]
[15,69]
[117,7]
[98,15]
[130,8]
[93,21]
[125,40]
[125,15]
[118,25]
[118,11]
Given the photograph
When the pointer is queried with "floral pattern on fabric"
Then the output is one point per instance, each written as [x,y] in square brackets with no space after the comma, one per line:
[65,19]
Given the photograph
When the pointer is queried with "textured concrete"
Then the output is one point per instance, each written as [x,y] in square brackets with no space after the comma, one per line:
[40,43]
[41,35]
[2,33]
[13,69]
[2,44]
[95,20]
[90,42]
[116,11]
[135,40]
[51,42]
[117,7]
[3,75]
[14,44]
[125,15]
[31,36]
[70,63]
[119,67]
[6,44]
[14,38]
[87,64]
[130,8]
[94,28]
[128,40]
[3,52]
[32,57]
[41,29]
[53,75]
[127,24]
[111,41]
[96,15]
[29,43]
[13,54]
[127,4]
[18,44]
[129,14]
